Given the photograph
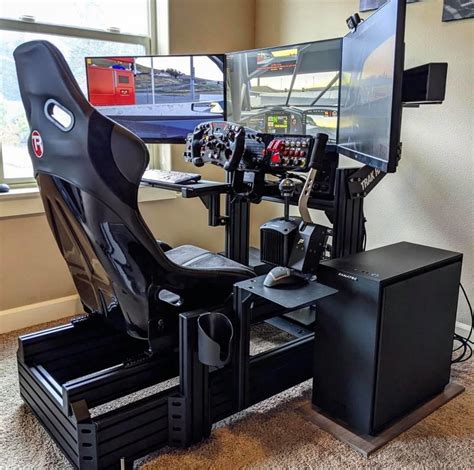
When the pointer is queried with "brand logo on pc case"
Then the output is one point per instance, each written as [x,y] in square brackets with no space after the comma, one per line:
[347,276]
[37,143]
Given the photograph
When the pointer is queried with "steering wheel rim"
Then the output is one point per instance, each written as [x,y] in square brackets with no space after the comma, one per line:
[219,142]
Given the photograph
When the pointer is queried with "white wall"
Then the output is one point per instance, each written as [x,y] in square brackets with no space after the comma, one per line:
[430,198]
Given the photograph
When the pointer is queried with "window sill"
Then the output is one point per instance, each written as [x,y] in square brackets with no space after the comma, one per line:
[27,201]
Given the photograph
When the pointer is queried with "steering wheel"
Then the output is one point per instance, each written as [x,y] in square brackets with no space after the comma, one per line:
[218,142]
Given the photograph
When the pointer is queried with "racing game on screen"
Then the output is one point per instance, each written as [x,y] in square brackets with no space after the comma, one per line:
[159,98]
[286,90]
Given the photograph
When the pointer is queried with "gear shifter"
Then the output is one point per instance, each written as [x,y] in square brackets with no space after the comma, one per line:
[277,236]
[287,189]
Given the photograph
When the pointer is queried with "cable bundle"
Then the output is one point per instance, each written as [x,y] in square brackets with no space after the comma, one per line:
[466,344]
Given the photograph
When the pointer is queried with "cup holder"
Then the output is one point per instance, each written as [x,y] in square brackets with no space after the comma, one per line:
[215,333]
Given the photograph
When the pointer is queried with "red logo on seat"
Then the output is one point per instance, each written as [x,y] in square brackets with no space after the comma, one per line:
[37,143]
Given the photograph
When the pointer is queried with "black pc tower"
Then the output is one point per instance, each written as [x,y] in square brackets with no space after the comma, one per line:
[384,342]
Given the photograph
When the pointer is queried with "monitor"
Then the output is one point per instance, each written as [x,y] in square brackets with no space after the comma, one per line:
[371,88]
[159,98]
[290,89]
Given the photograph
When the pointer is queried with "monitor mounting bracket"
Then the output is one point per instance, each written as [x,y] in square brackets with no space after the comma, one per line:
[361,182]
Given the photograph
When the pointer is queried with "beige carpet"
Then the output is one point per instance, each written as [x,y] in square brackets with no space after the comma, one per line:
[268,435]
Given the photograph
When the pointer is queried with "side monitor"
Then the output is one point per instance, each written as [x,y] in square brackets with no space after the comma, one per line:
[159,98]
[371,88]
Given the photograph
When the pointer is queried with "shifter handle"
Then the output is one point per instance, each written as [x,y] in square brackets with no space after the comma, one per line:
[287,189]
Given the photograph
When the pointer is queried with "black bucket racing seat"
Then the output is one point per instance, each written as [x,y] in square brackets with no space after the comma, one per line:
[88,169]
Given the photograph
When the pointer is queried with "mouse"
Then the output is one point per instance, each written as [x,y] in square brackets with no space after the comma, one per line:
[281,276]
[4,188]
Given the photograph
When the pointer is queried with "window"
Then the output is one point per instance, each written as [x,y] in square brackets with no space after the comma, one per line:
[67,24]
[122,16]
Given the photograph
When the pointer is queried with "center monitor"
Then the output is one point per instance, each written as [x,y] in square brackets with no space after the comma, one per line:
[286,90]
[159,98]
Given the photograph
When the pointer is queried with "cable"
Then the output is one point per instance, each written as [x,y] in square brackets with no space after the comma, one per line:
[465,342]
[364,234]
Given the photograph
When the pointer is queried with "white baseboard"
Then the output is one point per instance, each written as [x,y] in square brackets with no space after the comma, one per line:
[55,309]
[41,312]
[463,326]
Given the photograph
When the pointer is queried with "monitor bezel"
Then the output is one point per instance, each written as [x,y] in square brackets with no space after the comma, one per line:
[390,165]
[167,140]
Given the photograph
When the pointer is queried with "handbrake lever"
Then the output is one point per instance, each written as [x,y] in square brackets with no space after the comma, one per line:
[315,164]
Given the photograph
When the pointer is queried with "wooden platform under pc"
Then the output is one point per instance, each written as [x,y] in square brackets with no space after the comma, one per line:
[366,444]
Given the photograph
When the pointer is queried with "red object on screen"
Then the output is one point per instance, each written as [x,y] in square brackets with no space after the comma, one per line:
[111,86]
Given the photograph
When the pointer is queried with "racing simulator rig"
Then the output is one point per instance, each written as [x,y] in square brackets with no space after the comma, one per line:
[177,321]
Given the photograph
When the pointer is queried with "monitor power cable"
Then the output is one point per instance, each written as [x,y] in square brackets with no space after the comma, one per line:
[466,344]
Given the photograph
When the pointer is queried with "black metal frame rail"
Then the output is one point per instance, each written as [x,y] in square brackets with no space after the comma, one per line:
[63,397]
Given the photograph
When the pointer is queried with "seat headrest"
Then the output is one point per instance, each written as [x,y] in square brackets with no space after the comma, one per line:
[43,71]
[69,138]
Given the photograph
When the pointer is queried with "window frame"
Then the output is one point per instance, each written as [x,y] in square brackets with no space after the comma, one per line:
[158,157]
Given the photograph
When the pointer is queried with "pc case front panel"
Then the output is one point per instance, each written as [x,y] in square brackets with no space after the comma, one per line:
[417,323]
